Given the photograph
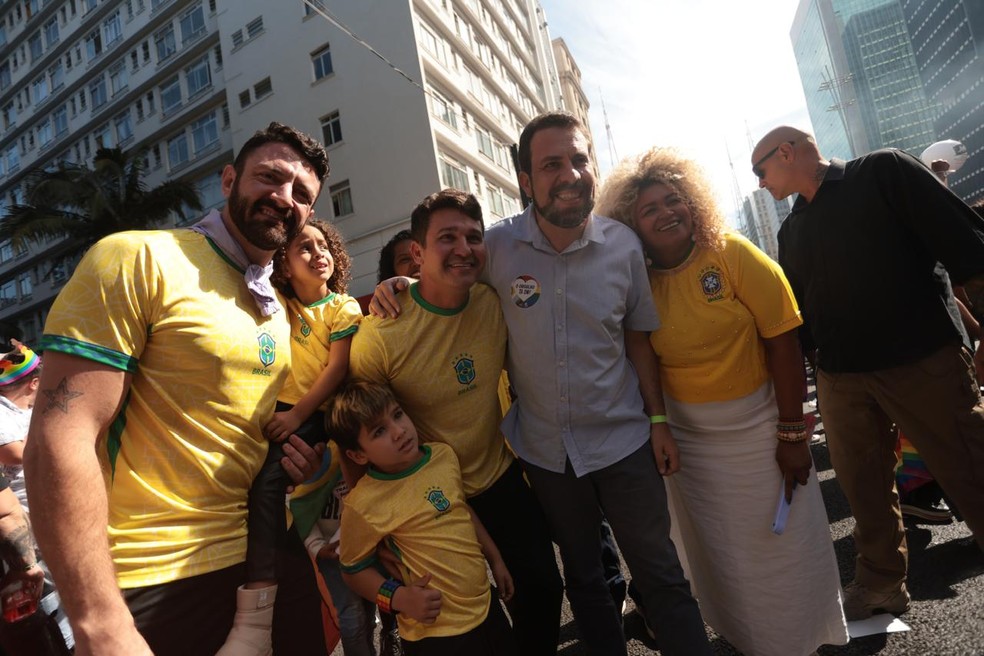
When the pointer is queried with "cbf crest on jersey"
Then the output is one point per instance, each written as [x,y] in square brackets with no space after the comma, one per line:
[436,498]
[464,371]
[711,283]
[268,348]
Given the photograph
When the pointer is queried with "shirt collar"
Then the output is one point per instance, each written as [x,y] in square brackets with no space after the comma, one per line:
[834,173]
[528,231]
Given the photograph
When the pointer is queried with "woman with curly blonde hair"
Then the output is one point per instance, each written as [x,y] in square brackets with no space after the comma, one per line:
[733,380]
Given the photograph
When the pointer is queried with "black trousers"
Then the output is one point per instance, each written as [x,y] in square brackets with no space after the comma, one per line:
[512,516]
[193,616]
[493,637]
[267,513]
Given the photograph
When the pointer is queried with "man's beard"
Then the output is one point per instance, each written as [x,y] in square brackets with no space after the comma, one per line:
[261,235]
[566,218]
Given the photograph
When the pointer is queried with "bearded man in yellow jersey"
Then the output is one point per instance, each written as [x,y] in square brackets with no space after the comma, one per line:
[164,355]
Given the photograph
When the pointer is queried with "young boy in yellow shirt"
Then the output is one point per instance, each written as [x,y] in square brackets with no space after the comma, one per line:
[412,496]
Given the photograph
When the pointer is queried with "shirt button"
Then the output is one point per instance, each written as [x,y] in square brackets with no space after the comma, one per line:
[564,399]
[560,363]
[559,290]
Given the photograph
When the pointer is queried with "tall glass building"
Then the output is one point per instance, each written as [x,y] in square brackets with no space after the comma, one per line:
[860,77]
[948,44]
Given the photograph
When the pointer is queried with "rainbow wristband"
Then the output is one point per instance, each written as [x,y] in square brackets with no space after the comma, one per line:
[657,419]
[384,598]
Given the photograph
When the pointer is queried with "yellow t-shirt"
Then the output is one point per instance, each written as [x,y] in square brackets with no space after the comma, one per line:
[444,367]
[423,513]
[312,330]
[178,461]
[716,308]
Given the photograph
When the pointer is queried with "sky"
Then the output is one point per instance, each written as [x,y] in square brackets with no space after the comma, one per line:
[698,75]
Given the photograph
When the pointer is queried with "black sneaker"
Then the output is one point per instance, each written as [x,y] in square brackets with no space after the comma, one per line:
[930,512]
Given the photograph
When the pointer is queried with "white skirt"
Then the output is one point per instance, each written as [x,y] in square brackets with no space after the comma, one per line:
[767,594]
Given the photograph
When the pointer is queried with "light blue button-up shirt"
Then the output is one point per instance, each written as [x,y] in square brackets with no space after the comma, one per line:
[567,314]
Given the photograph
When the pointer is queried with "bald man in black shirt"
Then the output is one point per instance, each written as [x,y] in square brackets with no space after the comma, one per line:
[862,249]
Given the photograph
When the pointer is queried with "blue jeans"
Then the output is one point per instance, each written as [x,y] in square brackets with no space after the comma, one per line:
[356,616]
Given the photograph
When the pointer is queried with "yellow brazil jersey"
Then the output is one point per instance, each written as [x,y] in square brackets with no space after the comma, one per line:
[444,367]
[422,511]
[170,309]
[715,309]
[312,330]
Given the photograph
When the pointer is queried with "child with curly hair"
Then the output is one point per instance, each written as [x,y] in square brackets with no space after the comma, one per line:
[312,272]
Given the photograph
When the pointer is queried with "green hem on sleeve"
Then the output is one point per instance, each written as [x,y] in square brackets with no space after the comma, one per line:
[342,334]
[355,568]
[89,351]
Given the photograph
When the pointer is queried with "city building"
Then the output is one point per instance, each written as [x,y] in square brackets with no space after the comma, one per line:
[860,77]
[763,216]
[948,43]
[409,97]
[575,100]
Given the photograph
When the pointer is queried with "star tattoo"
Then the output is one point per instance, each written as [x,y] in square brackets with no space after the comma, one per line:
[60,396]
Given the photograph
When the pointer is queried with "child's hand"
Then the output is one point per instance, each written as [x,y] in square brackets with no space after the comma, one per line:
[503,580]
[418,601]
[329,551]
[281,426]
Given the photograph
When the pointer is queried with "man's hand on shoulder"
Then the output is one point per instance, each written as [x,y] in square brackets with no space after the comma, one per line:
[384,303]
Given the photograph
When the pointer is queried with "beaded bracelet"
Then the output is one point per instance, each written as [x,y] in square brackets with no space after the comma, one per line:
[384,598]
[791,426]
[792,436]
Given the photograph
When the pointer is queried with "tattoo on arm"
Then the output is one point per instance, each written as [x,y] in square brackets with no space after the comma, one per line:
[17,549]
[59,397]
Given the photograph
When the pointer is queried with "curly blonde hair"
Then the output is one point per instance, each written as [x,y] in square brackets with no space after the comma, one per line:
[340,278]
[663,165]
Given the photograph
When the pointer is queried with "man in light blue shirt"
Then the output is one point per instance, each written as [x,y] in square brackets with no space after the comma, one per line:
[588,425]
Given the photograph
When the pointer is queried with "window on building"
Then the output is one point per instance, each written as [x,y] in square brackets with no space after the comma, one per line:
[484,140]
[5,75]
[39,89]
[217,52]
[254,28]
[262,88]
[341,198]
[177,150]
[166,45]
[322,63]
[308,10]
[60,119]
[6,251]
[9,113]
[51,32]
[442,108]
[198,76]
[170,95]
[237,39]
[117,77]
[89,5]
[13,159]
[331,129]
[192,23]
[45,135]
[140,110]
[103,136]
[93,45]
[124,129]
[204,132]
[244,99]
[145,51]
[495,200]
[150,103]
[26,285]
[36,46]
[113,28]
[97,91]
[453,175]
[3,35]
[8,293]
[57,75]
[134,61]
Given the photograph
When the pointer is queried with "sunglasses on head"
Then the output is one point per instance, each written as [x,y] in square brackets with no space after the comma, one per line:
[759,173]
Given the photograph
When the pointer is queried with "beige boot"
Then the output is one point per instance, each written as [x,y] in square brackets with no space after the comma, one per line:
[252,626]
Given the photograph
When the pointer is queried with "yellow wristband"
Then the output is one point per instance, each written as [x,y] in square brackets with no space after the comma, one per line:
[657,419]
